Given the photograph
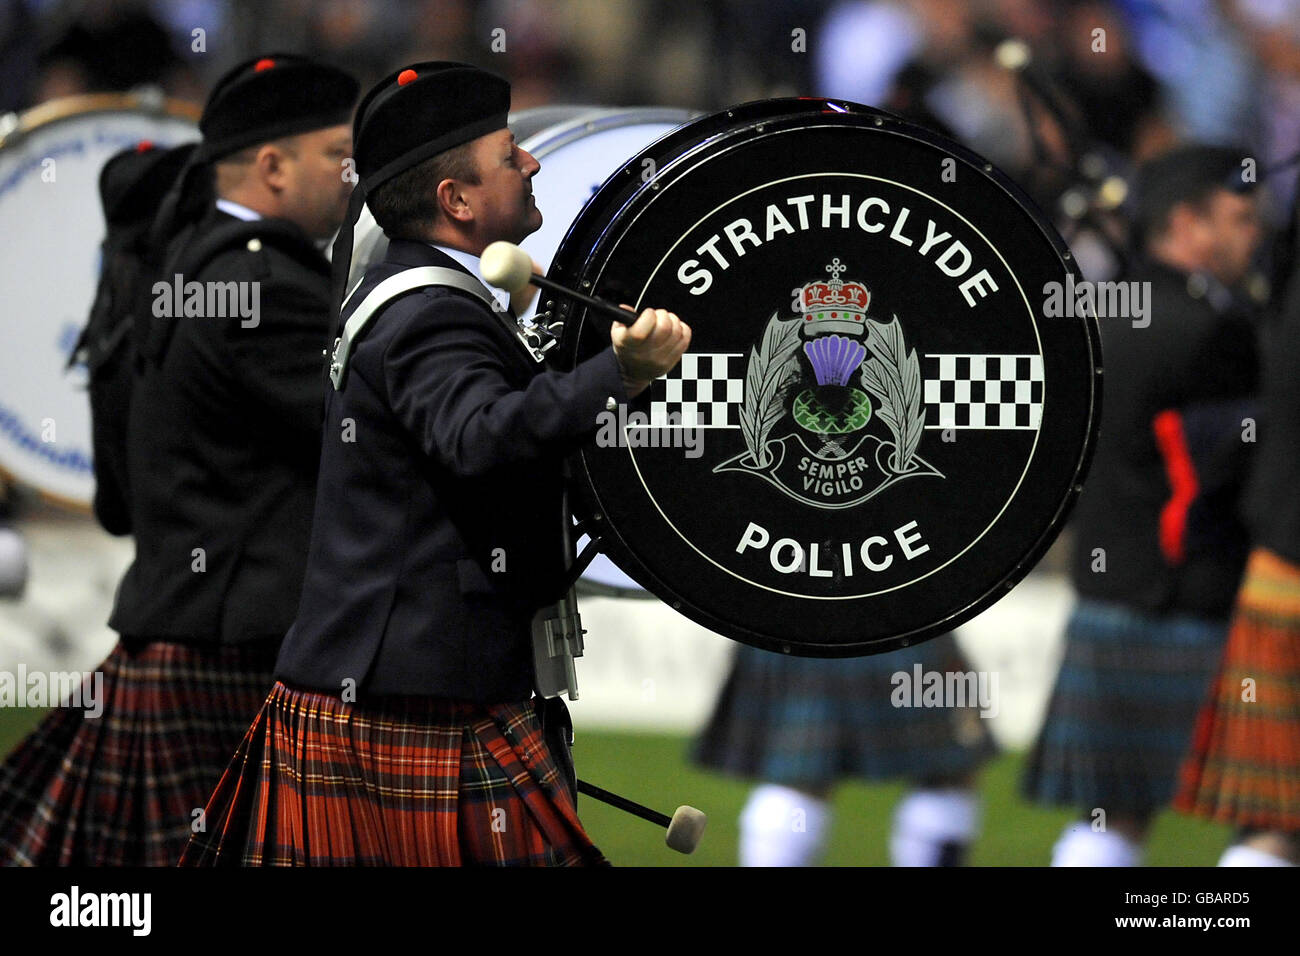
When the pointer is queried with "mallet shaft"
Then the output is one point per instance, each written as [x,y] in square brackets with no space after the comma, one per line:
[622,803]
[608,310]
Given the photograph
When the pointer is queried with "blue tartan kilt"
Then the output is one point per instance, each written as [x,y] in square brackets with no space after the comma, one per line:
[1123,709]
[809,722]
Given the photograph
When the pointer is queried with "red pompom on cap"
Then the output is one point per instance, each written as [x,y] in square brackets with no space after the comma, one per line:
[261,65]
[406,76]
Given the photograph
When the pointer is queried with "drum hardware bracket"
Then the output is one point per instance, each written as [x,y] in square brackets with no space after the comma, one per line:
[557,628]
[557,642]
[539,339]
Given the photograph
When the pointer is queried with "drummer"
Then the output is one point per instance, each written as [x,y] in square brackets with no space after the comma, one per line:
[222,446]
[436,537]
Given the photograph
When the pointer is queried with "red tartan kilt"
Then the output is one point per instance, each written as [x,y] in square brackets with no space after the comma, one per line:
[396,781]
[122,788]
[1244,764]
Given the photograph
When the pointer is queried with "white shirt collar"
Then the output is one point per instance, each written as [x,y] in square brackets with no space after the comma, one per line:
[471,262]
[238,211]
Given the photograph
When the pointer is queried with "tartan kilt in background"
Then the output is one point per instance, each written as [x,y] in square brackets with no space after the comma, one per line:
[121,789]
[1121,714]
[808,722]
[1244,767]
[398,781]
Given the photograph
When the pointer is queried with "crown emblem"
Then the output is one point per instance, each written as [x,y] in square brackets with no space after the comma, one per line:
[834,305]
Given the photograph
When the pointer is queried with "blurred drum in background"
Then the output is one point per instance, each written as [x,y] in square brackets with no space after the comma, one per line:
[50,160]
[579,147]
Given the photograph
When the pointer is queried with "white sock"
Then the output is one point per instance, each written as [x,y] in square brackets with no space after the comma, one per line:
[925,820]
[1238,855]
[782,827]
[1081,845]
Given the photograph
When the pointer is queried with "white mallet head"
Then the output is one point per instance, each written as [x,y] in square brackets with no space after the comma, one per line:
[1013,54]
[506,266]
[686,828]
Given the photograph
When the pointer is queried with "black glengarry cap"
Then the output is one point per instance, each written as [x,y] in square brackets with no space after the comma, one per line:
[273,96]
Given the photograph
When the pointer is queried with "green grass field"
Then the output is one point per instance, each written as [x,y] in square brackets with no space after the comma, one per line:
[652,769]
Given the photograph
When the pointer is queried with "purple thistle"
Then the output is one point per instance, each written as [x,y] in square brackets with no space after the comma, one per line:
[834,358]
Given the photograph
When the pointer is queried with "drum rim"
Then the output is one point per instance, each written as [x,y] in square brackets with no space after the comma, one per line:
[598,119]
[17,127]
[752,117]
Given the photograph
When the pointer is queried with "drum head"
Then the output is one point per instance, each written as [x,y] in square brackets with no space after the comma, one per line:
[50,162]
[876,432]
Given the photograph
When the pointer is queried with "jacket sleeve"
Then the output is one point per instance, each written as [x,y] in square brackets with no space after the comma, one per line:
[446,379]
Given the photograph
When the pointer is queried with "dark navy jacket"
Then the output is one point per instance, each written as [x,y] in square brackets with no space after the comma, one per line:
[436,533]
[223,445]
[1163,496]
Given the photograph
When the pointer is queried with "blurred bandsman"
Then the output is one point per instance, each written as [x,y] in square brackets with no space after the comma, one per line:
[1244,768]
[800,726]
[402,729]
[1159,547]
[132,186]
[223,443]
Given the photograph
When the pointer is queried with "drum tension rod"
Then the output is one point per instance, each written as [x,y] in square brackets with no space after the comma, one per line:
[580,563]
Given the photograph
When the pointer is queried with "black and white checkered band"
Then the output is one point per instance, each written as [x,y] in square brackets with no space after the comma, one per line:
[982,391]
[707,390]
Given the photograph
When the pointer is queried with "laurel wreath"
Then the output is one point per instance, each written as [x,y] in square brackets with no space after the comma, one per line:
[893,376]
[770,368]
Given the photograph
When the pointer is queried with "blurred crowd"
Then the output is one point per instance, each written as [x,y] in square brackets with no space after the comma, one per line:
[1211,70]
[1132,76]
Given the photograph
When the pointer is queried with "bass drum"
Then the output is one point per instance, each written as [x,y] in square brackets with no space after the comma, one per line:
[578,147]
[52,227]
[877,430]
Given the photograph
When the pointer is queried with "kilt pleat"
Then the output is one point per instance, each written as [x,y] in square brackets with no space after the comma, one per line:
[809,722]
[398,781]
[1244,765]
[121,789]
[1122,710]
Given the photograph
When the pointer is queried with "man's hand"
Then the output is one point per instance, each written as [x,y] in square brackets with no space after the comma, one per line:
[649,347]
[521,299]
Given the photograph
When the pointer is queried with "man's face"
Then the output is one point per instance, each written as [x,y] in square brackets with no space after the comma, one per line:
[503,202]
[1232,233]
[315,192]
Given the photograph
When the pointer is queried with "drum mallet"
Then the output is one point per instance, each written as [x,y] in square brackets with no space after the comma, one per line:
[508,267]
[685,826]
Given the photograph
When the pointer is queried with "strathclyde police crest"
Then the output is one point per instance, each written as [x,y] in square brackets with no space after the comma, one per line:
[886,431]
[848,391]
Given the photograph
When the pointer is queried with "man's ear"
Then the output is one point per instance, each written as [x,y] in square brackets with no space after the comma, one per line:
[452,202]
[270,165]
